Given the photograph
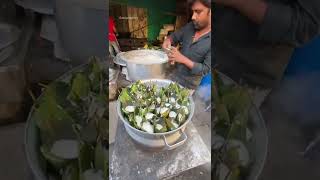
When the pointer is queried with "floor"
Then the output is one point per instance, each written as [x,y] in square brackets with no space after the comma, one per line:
[286,138]
[13,162]
[203,126]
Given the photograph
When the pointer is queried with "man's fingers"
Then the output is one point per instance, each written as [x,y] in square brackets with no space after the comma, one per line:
[173,49]
[165,45]
[171,55]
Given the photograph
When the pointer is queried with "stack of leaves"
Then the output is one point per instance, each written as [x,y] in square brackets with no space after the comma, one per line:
[231,135]
[72,118]
[155,110]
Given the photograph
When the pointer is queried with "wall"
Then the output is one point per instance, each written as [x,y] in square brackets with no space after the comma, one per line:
[157,16]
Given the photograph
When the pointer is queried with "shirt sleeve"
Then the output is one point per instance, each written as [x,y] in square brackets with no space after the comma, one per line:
[202,68]
[293,23]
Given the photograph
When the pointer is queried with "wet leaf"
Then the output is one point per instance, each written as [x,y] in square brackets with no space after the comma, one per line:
[235,174]
[71,172]
[80,87]
[103,125]
[124,97]
[95,74]
[50,115]
[89,132]
[86,157]
[101,157]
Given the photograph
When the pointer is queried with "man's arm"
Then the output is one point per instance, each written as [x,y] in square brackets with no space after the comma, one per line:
[202,68]
[293,23]
[255,10]
[196,68]
[175,37]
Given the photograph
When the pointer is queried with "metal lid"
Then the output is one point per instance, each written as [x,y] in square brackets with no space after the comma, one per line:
[118,59]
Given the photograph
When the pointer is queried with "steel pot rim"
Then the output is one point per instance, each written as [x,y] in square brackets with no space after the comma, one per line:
[121,56]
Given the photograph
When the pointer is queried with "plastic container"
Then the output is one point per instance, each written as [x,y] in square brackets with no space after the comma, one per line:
[305,59]
[204,89]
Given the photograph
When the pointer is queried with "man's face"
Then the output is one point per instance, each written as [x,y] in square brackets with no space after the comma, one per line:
[201,15]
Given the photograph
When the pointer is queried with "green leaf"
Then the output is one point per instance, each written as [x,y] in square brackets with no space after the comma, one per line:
[95,74]
[124,97]
[222,113]
[134,88]
[101,157]
[71,172]
[237,101]
[143,112]
[80,87]
[170,124]
[50,116]
[184,94]
[89,132]
[103,127]
[162,122]
[238,129]
[86,157]
[235,174]
[232,158]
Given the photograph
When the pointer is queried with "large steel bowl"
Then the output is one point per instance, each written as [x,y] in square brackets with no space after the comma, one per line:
[258,147]
[164,141]
[32,139]
[145,70]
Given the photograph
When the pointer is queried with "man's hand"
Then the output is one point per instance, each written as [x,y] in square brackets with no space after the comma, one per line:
[175,56]
[166,43]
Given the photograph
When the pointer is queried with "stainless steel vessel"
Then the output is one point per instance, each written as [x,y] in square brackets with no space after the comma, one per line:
[165,141]
[144,69]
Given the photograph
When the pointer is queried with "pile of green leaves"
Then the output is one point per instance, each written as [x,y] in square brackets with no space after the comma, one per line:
[155,110]
[72,118]
[231,134]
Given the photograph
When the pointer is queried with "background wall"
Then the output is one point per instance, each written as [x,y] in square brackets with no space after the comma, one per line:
[159,12]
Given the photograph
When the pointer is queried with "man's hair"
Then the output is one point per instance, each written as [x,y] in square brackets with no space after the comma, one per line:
[206,3]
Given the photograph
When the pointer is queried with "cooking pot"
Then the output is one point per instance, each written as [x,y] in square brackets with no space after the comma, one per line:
[140,68]
[163,141]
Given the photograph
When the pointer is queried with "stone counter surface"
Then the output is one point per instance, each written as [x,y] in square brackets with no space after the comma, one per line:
[131,161]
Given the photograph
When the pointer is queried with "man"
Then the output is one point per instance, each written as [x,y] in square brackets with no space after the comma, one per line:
[113,43]
[194,60]
[255,39]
